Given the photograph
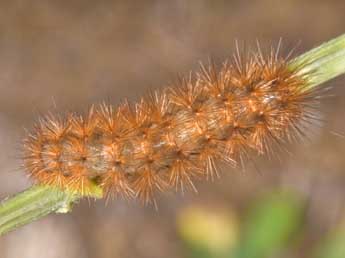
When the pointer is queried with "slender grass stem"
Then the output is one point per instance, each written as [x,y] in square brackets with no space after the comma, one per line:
[323,63]
[34,203]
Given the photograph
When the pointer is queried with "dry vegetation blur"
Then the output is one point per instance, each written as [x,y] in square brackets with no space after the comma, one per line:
[58,56]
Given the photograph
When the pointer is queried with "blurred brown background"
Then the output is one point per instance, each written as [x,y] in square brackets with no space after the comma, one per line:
[66,55]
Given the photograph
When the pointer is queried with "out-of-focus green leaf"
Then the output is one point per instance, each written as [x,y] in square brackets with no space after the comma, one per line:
[271,224]
[334,245]
[208,233]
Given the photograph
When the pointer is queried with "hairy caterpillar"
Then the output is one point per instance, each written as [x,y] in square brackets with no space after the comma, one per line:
[171,137]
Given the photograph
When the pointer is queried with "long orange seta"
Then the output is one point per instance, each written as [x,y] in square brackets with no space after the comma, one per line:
[170,138]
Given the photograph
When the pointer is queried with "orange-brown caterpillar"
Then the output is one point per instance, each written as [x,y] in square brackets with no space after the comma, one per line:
[171,137]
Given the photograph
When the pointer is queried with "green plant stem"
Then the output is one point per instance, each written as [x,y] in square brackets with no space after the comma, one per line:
[323,63]
[320,64]
[34,203]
